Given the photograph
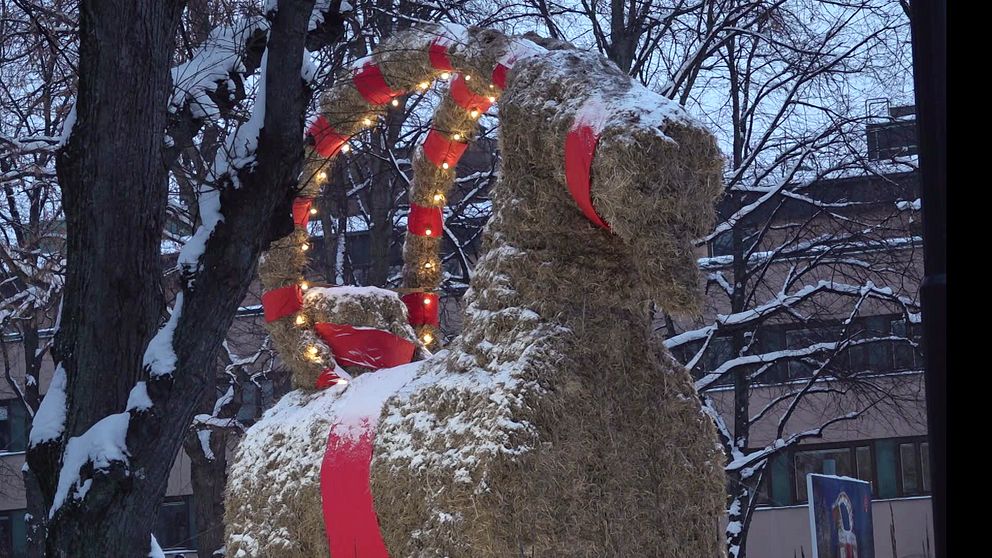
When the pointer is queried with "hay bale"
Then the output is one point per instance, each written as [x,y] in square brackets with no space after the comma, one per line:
[556,425]
[272,501]
[273,504]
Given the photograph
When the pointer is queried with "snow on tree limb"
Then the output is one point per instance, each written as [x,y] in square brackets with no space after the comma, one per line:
[49,422]
[160,356]
[101,445]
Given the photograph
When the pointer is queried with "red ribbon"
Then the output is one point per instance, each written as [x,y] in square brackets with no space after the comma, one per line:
[580,146]
[325,139]
[346,497]
[463,96]
[499,75]
[327,379]
[365,347]
[301,211]
[439,149]
[425,221]
[282,302]
[439,57]
[422,308]
[372,85]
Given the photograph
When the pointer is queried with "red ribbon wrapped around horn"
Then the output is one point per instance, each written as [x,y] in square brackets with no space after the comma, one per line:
[440,149]
[438,55]
[465,98]
[326,140]
[423,308]
[372,86]
[301,211]
[282,302]
[425,221]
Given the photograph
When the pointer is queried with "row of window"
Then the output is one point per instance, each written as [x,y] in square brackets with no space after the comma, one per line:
[880,357]
[895,467]
[173,531]
[13,426]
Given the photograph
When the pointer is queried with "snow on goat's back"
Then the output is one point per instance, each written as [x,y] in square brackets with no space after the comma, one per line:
[307,447]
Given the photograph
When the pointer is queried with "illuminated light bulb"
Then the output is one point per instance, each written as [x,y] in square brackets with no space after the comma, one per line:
[474,113]
[429,265]
[492,99]
[438,198]
[445,75]
[304,286]
[313,211]
[300,319]
[428,338]
[321,176]
[313,351]
[367,121]
[456,137]
[491,86]
[395,102]
[428,232]
[445,165]
[427,300]
[345,148]
[424,85]
[468,78]
[305,247]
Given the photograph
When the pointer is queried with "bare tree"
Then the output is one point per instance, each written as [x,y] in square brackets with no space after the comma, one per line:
[126,389]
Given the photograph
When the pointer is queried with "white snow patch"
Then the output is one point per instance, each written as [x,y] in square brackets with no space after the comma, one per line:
[204,436]
[138,399]
[67,126]
[156,549]
[49,421]
[210,216]
[103,443]
[210,65]
[160,356]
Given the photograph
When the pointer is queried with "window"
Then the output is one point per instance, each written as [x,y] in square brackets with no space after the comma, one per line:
[6,537]
[719,351]
[4,426]
[833,461]
[13,426]
[804,338]
[896,467]
[722,244]
[173,529]
[914,468]
[13,537]
[904,355]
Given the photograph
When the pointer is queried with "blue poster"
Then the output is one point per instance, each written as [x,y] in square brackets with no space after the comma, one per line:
[840,517]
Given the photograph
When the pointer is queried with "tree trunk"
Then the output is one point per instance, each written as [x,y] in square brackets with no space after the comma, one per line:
[208,475]
[114,182]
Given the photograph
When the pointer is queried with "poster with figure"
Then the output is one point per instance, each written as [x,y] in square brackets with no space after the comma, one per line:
[840,517]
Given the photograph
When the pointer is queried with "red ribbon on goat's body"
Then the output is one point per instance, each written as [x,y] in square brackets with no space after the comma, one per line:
[580,146]
[438,54]
[365,347]
[282,302]
[425,221]
[327,141]
[301,211]
[372,86]
[350,521]
[439,149]
[465,98]
[422,309]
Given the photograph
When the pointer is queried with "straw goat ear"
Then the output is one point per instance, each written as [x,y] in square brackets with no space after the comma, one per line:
[658,193]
